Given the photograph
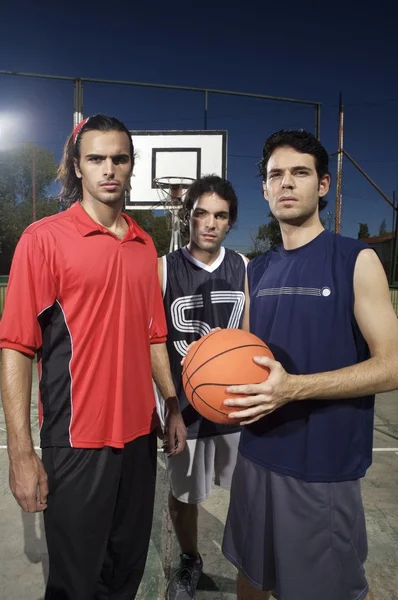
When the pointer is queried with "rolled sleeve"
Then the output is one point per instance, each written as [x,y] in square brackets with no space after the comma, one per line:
[31,289]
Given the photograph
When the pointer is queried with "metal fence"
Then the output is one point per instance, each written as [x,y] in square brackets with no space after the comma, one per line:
[41,111]
[3,290]
[366,182]
[394,299]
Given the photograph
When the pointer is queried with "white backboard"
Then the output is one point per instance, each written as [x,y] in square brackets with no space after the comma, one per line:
[173,154]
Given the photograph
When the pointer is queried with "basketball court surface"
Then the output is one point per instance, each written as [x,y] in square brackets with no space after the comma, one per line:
[23,555]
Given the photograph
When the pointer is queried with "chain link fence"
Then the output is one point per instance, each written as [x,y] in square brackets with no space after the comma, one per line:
[369,180]
[36,116]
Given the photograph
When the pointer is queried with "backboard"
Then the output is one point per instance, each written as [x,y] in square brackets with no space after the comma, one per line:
[173,153]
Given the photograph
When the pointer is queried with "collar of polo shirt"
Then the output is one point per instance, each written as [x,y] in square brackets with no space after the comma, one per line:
[87,226]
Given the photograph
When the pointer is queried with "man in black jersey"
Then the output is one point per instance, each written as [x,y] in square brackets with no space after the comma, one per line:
[204,286]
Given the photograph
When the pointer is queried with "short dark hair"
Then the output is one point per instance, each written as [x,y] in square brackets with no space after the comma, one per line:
[303,142]
[210,184]
[71,184]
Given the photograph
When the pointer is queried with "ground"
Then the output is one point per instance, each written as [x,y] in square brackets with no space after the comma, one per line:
[23,556]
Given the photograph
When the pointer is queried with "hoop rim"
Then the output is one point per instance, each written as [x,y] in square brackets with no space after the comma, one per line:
[165,182]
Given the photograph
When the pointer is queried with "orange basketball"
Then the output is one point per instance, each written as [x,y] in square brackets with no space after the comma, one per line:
[220,359]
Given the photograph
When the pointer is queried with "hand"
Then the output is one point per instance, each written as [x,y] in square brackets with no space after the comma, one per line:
[262,398]
[28,482]
[175,434]
[195,342]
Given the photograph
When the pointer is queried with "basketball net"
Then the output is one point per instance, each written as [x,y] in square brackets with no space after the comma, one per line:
[171,192]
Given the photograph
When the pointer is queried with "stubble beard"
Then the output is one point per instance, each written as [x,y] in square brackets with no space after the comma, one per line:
[111,199]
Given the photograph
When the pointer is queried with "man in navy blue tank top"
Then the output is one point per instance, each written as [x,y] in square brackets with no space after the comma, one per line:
[204,286]
[296,525]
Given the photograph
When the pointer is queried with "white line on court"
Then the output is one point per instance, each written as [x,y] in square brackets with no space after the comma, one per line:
[38,448]
[34,447]
[161,450]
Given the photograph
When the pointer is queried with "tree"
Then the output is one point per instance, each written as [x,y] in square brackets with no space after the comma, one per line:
[16,194]
[267,235]
[259,246]
[383,227]
[159,228]
[271,231]
[363,231]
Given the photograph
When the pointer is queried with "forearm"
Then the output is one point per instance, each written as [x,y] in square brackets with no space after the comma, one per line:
[372,376]
[16,387]
[161,372]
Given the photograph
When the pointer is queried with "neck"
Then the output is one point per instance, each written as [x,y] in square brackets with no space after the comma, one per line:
[203,256]
[294,235]
[106,215]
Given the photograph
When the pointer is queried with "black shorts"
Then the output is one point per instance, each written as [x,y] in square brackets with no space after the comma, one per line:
[99,518]
[303,541]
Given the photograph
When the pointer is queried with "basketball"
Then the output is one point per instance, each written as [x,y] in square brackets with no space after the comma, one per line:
[220,359]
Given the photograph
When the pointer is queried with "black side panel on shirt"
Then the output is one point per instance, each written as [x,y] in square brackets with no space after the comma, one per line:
[55,381]
[197,300]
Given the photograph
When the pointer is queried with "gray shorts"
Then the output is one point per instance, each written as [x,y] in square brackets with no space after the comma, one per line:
[303,541]
[191,473]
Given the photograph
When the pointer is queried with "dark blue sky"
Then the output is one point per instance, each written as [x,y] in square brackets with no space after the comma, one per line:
[309,51]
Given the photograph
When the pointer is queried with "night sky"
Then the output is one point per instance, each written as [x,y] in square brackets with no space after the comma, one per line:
[308,51]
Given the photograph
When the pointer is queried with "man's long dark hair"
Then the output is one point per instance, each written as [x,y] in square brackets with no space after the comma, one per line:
[71,190]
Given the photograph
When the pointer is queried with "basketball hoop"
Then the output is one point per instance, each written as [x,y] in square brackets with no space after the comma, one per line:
[171,192]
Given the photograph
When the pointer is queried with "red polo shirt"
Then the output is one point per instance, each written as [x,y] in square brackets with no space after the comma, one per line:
[90,305]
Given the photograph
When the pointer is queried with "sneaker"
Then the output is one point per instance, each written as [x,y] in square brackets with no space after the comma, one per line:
[185,580]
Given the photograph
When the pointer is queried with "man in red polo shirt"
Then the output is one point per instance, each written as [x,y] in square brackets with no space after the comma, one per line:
[84,296]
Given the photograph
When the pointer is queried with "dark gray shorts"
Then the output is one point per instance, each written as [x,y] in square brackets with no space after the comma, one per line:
[303,541]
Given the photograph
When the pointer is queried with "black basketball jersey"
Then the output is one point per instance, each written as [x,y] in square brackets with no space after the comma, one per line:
[197,298]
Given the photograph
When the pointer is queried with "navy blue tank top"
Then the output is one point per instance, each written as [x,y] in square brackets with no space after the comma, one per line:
[197,298]
[302,306]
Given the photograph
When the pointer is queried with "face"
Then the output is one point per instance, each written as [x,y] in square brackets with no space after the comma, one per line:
[292,187]
[105,166]
[209,222]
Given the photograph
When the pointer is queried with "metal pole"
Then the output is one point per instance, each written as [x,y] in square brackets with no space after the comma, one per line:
[175,194]
[78,102]
[81,100]
[78,95]
[386,198]
[33,183]
[162,86]
[206,107]
[318,122]
[339,178]
[394,262]
[35,75]
[175,241]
